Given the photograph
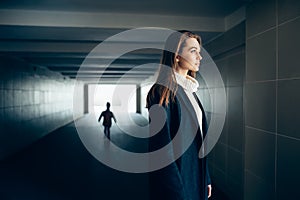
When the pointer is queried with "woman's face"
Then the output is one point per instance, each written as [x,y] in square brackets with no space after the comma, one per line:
[189,58]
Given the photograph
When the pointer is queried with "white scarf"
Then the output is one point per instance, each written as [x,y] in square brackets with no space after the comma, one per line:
[187,82]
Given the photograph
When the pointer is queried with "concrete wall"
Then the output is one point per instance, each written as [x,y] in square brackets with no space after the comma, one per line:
[257,156]
[272,133]
[33,102]
[226,161]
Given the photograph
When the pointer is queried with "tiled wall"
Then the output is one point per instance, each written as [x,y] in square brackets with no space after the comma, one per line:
[226,161]
[33,102]
[272,133]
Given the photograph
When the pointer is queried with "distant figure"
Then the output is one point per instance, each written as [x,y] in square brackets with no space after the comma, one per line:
[107,115]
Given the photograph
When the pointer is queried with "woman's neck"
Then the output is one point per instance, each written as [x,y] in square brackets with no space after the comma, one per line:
[182,72]
[187,82]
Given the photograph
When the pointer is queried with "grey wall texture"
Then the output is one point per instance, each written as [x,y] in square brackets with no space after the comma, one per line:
[33,102]
[272,99]
[226,161]
[257,155]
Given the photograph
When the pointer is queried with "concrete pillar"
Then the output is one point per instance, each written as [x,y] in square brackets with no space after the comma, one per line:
[86,98]
[138,99]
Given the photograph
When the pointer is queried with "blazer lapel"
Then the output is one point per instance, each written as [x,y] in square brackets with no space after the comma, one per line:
[204,122]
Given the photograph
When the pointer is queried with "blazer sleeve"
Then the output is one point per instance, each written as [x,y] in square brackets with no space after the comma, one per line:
[165,183]
[208,180]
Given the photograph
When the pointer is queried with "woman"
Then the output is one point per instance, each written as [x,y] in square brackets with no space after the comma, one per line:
[186,177]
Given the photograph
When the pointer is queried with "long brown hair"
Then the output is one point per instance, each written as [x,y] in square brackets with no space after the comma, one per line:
[166,77]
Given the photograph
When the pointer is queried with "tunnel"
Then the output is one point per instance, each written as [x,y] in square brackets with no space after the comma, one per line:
[62,61]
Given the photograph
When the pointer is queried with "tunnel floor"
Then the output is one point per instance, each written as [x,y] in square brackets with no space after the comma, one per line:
[58,166]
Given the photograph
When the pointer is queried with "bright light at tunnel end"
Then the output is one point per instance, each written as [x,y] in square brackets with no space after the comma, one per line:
[126,161]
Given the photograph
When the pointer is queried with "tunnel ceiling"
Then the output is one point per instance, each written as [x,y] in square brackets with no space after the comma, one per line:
[59,35]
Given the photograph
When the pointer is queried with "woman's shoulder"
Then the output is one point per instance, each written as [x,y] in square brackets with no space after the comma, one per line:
[156,88]
[154,94]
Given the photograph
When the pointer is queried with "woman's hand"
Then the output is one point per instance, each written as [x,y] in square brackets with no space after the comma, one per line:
[209,188]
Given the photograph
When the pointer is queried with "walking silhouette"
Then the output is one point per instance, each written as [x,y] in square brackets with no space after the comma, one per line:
[107,115]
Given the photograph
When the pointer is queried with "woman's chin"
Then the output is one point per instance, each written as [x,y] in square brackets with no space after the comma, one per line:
[196,69]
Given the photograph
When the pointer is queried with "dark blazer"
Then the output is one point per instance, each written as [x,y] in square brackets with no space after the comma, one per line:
[187,177]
